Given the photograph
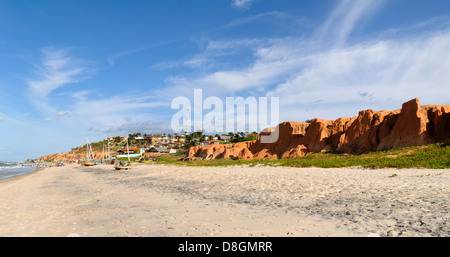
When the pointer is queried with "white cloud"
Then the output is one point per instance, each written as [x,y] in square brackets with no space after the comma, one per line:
[274,61]
[15,118]
[110,114]
[63,113]
[56,70]
[112,58]
[130,126]
[345,18]
[207,59]
[81,95]
[225,45]
[271,17]
[378,74]
[84,111]
[242,4]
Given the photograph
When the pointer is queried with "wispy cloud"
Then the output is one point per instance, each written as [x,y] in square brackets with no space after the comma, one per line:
[377,74]
[63,113]
[13,118]
[58,116]
[112,113]
[207,59]
[131,126]
[242,4]
[347,15]
[274,16]
[85,109]
[56,70]
[274,62]
[80,95]
[227,45]
[112,58]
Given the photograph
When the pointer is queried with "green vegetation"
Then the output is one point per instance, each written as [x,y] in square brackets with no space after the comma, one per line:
[125,159]
[146,142]
[435,156]
[193,139]
[197,138]
[239,139]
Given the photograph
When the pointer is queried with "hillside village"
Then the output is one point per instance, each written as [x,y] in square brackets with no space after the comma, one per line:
[144,146]
[163,142]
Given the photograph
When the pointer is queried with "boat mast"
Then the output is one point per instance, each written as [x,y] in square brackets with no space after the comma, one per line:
[128,151]
[107,151]
[87,158]
[90,154]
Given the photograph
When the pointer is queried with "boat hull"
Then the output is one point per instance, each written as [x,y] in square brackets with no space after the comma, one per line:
[122,168]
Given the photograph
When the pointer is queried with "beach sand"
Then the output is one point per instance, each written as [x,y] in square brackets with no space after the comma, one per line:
[158,200]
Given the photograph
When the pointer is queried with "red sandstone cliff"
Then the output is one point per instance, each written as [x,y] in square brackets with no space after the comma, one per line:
[67,157]
[369,131]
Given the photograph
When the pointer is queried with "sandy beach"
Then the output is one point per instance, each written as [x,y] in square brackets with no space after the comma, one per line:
[157,200]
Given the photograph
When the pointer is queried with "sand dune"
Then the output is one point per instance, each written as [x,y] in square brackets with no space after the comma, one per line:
[155,200]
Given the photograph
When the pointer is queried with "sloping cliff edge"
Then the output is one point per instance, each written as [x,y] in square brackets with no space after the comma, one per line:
[412,125]
[70,156]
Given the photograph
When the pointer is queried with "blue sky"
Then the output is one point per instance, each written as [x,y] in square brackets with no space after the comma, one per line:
[76,69]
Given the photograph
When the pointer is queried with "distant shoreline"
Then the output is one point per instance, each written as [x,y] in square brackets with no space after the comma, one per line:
[14,177]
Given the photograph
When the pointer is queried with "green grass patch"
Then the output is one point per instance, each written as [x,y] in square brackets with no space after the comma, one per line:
[435,156]
[125,159]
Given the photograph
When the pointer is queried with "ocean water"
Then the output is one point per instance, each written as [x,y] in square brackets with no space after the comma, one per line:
[11,169]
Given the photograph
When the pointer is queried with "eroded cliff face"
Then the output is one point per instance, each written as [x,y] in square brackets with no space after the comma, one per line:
[370,131]
[68,157]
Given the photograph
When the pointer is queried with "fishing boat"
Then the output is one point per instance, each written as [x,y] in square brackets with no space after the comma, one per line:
[89,155]
[123,168]
[121,165]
